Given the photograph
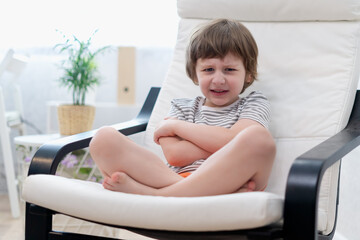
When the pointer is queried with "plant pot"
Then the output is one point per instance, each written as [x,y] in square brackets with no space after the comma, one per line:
[75,119]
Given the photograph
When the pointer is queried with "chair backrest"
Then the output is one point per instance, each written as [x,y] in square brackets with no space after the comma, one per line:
[11,67]
[308,58]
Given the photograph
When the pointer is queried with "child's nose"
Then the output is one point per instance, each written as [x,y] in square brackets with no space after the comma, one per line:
[219,78]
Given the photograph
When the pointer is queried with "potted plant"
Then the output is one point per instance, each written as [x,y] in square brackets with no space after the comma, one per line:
[80,75]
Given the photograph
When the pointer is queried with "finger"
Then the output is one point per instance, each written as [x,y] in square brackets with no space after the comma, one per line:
[170,118]
[156,140]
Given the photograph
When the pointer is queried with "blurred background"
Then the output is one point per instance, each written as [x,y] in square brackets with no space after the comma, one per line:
[33,28]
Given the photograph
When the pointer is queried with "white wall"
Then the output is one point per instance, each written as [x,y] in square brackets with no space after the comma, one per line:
[349,203]
[33,23]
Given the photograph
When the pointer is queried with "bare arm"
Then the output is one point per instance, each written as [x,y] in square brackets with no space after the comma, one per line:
[179,152]
[207,138]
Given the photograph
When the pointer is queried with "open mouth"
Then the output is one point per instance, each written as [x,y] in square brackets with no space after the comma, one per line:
[217,91]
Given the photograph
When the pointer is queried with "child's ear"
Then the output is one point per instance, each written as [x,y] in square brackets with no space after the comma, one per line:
[249,79]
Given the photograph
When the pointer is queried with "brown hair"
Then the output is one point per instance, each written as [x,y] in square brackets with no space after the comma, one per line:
[216,40]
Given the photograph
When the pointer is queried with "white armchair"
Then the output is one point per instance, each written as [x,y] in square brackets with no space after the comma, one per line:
[308,69]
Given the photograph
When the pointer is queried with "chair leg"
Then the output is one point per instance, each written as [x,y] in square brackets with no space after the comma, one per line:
[8,162]
[38,222]
[10,178]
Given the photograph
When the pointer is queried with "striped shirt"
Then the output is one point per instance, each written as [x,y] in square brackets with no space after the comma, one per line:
[255,107]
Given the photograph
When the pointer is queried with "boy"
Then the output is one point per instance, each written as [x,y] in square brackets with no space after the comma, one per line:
[217,143]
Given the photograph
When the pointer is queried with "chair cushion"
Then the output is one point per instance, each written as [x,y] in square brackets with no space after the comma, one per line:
[224,212]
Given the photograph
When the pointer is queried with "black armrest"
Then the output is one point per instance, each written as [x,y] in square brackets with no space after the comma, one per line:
[303,185]
[48,157]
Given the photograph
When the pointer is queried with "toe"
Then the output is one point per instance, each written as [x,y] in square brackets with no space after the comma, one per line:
[107,184]
[118,177]
[251,186]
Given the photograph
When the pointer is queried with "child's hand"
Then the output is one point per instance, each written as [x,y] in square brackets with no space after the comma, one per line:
[165,129]
[171,118]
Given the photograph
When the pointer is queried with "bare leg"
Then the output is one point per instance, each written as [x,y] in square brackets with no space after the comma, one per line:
[121,182]
[248,156]
[114,152]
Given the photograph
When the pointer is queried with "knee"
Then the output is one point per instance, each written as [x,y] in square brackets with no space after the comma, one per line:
[101,139]
[257,140]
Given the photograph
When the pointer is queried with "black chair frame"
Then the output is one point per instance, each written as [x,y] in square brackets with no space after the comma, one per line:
[301,197]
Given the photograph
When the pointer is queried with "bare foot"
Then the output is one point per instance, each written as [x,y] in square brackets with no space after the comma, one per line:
[247,187]
[121,182]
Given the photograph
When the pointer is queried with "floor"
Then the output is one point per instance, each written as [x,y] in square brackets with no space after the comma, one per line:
[10,228]
[13,229]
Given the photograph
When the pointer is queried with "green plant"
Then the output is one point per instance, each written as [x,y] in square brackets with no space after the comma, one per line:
[80,67]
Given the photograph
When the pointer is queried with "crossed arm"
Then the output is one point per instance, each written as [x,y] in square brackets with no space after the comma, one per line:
[184,142]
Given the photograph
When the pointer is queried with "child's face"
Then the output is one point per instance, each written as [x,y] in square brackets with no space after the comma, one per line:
[221,80]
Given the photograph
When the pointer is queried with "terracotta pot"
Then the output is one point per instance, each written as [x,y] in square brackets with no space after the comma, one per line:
[75,119]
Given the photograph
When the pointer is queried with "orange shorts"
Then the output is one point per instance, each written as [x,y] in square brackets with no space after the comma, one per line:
[185,174]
